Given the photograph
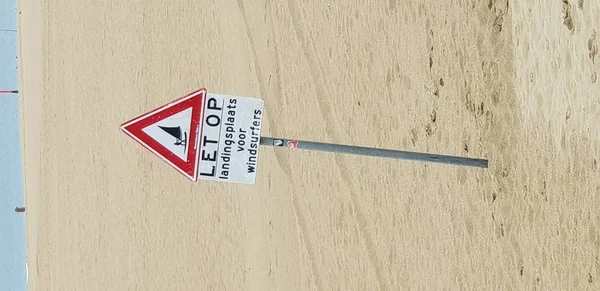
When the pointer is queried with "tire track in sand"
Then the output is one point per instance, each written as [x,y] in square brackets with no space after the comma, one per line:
[281,159]
[316,74]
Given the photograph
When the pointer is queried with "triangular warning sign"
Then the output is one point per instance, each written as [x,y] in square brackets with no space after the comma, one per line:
[172,132]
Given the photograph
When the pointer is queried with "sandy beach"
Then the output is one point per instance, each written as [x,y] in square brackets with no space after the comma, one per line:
[514,82]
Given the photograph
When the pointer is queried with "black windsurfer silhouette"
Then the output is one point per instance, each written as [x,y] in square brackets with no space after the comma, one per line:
[176,133]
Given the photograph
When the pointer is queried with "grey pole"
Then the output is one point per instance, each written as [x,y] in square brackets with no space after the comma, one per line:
[372,152]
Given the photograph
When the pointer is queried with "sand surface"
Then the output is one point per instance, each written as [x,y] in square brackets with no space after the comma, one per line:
[514,82]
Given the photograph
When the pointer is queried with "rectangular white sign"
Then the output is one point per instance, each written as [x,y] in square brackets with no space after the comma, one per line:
[230,138]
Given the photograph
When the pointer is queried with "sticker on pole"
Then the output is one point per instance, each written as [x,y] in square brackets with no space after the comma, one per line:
[230,138]
[171,132]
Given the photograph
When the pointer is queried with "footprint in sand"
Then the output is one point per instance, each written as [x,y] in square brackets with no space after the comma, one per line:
[497,26]
[593,52]
[593,46]
[568,16]
[430,41]
[430,127]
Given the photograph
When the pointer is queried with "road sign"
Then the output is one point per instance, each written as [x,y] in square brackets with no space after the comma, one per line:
[217,137]
[230,138]
[172,132]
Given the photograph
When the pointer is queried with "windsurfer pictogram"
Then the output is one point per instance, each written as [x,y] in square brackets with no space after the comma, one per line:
[177,134]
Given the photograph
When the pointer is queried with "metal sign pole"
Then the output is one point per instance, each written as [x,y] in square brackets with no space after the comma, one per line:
[373,152]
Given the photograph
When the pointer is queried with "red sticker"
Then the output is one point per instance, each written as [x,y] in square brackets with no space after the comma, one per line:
[292,144]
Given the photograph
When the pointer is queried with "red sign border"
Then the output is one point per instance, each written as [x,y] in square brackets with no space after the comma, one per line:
[133,128]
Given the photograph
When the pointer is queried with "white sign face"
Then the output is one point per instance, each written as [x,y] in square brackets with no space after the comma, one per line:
[230,137]
[165,131]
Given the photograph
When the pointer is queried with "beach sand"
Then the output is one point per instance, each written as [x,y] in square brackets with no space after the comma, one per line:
[514,83]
